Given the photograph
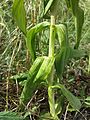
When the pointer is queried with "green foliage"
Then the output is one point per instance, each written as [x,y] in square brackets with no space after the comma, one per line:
[31,85]
[43,67]
[64,53]
[78,14]
[10,116]
[30,41]
[74,101]
[47,6]
[19,14]
[87,101]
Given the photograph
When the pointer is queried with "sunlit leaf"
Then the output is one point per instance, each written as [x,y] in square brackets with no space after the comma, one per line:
[30,86]
[30,41]
[45,68]
[19,14]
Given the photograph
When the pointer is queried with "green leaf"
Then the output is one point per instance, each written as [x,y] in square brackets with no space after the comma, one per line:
[79,20]
[68,3]
[45,68]
[60,62]
[52,7]
[46,116]
[78,14]
[30,86]
[76,53]
[88,98]
[19,15]
[10,116]
[62,35]
[47,7]
[39,71]
[74,101]
[64,53]
[20,77]
[59,104]
[30,41]
[87,101]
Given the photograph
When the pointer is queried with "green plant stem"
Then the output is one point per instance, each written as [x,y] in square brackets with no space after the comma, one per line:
[51,77]
[52,37]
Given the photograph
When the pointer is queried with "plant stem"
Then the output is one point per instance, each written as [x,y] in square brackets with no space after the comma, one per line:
[52,37]
[51,77]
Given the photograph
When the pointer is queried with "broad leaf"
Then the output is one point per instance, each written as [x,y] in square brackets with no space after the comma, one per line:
[30,41]
[45,68]
[62,35]
[63,55]
[10,116]
[74,101]
[19,14]
[39,71]
[30,86]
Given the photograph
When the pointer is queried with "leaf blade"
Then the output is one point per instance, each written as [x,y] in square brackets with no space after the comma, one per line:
[19,14]
[31,33]
[73,100]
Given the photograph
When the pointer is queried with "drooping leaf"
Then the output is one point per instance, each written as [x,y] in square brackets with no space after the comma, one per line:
[30,86]
[39,71]
[60,62]
[62,35]
[63,55]
[19,15]
[10,116]
[73,100]
[30,41]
